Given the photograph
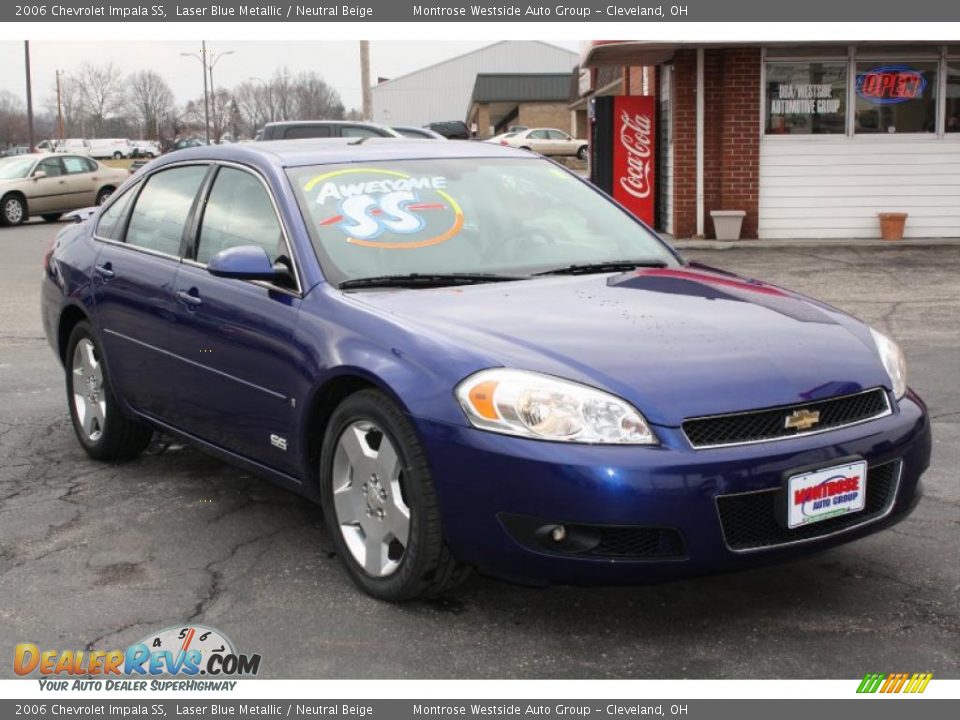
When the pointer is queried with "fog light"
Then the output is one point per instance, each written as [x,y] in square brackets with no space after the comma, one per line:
[558,534]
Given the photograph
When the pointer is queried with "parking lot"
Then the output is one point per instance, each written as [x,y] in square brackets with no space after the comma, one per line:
[97,556]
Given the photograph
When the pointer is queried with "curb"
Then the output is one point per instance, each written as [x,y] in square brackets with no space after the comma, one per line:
[811,243]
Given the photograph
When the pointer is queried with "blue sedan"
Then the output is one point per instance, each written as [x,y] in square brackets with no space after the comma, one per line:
[473,359]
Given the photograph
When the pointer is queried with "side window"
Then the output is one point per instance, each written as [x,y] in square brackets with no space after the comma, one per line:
[110,224]
[239,212]
[538,135]
[300,132]
[75,165]
[356,131]
[161,211]
[51,166]
[558,135]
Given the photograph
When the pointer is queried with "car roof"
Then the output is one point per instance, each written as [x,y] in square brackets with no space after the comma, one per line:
[320,151]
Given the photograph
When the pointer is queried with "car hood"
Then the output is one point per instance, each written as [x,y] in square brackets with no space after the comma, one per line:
[677,343]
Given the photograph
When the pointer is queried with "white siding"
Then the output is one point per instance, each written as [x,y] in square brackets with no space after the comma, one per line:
[443,91]
[834,186]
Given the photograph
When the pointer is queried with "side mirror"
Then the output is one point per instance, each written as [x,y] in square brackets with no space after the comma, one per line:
[39,174]
[246,262]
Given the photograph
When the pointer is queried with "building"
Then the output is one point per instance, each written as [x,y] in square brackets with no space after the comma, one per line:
[811,141]
[501,100]
[444,91]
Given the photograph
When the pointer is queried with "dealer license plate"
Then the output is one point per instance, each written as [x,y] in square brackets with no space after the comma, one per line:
[827,493]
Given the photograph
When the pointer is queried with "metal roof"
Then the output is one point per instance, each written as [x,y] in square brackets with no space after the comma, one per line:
[521,87]
[296,153]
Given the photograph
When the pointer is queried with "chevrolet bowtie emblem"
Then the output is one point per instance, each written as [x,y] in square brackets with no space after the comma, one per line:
[801,419]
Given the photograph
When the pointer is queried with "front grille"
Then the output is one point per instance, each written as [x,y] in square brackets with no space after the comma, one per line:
[750,522]
[769,424]
[637,542]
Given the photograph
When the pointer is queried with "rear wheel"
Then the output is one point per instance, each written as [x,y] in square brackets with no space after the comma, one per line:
[582,153]
[104,195]
[380,504]
[51,217]
[118,155]
[101,427]
[13,210]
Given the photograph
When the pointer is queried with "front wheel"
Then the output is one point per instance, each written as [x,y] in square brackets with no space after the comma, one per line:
[101,427]
[380,504]
[13,210]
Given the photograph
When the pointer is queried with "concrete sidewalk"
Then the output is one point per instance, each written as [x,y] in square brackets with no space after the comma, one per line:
[810,242]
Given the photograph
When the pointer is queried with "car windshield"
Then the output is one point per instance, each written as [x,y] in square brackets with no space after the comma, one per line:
[499,216]
[13,168]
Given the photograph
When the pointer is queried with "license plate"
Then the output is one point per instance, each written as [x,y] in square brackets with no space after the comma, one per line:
[822,494]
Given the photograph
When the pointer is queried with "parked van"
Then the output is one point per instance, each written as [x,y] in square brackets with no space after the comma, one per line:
[74,146]
[115,148]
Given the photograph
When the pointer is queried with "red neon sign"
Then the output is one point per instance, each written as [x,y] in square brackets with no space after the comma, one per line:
[894,84]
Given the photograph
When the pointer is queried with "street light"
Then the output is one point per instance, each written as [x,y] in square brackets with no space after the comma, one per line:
[202,57]
[215,58]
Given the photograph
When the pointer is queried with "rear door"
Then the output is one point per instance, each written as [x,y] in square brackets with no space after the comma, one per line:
[81,177]
[537,141]
[133,285]
[237,363]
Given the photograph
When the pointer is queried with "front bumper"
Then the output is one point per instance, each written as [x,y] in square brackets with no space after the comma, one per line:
[498,492]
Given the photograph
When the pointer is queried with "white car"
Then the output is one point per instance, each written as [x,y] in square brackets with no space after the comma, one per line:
[115,148]
[73,146]
[547,141]
[145,148]
[501,139]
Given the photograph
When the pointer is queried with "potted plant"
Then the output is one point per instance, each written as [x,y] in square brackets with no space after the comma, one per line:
[891,225]
[727,223]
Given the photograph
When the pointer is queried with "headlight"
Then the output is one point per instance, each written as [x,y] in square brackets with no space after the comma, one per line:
[892,357]
[516,402]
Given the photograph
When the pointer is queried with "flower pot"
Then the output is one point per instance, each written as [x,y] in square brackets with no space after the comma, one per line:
[727,223]
[891,225]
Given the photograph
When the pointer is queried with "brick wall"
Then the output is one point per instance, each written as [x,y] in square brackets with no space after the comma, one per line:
[731,137]
[551,115]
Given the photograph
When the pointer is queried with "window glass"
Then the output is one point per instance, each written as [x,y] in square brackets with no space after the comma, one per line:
[538,135]
[896,97]
[557,135]
[462,215]
[953,97]
[355,131]
[239,212]
[12,167]
[110,224]
[75,165]
[805,98]
[299,132]
[161,211]
[51,166]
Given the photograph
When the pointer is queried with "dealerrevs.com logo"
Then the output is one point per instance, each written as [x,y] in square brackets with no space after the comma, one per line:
[894,682]
[187,651]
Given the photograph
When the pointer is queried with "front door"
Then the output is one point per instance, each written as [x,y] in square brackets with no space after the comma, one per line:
[82,180]
[133,287]
[50,192]
[237,364]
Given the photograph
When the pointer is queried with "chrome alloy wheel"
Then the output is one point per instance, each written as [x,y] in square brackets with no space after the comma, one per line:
[13,211]
[368,502]
[89,399]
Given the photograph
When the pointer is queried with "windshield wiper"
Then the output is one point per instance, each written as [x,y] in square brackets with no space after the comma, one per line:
[423,280]
[603,267]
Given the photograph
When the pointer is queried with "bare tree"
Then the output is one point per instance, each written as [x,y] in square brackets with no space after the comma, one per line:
[315,100]
[101,94]
[13,119]
[150,99]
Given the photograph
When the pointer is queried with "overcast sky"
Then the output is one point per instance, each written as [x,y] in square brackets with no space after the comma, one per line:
[337,62]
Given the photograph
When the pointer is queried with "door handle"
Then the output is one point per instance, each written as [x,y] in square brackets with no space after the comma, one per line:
[189,299]
[105,271]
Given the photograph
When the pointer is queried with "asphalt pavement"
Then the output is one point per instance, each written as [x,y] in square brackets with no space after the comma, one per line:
[98,556]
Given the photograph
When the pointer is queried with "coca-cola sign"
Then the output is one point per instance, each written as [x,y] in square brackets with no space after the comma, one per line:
[634,154]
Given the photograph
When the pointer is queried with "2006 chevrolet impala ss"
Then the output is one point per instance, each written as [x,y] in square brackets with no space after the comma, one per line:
[472,358]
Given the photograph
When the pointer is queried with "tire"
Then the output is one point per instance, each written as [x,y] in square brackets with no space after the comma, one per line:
[582,153]
[359,517]
[51,217]
[104,195]
[13,210]
[118,155]
[107,434]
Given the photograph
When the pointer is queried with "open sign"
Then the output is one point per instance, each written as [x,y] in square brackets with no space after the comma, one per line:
[891,84]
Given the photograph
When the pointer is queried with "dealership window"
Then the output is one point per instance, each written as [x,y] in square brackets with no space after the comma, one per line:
[806,98]
[896,97]
[952,124]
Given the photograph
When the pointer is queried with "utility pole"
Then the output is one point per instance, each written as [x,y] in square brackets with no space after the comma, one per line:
[365,79]
[26,56]
[60,104]
[206,97]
